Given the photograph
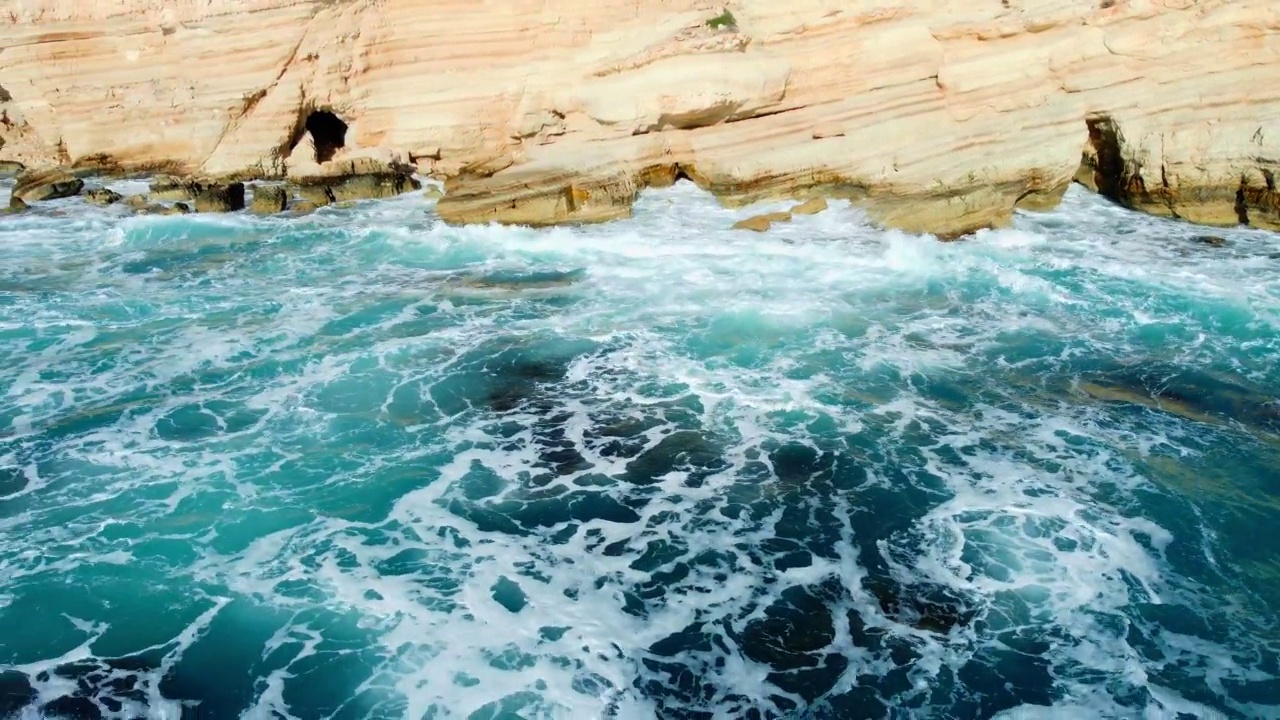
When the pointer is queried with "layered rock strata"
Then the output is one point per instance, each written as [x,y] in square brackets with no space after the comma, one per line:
[934,115]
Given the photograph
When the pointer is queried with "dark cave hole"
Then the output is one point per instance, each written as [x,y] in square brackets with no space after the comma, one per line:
[328,134]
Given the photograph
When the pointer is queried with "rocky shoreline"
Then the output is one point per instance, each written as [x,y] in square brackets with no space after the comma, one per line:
[170,195]
[940,117]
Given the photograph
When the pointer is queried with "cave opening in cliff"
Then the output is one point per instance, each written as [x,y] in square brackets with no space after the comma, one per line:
[328,134]
[1108,162]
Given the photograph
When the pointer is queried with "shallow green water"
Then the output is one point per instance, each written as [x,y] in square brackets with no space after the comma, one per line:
[364,465]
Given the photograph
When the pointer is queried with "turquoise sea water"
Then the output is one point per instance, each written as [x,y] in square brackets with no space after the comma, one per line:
[361,464]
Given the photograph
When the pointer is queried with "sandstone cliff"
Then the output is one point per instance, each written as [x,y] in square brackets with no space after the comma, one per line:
[936,115]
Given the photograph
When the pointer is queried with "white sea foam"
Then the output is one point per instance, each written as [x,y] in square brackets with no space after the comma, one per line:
[315,407]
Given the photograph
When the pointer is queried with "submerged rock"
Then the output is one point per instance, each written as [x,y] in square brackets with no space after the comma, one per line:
[433,193]
[16,205]
[51,184]
[269,199]
[810,207]
[761,223]
[158,209]
[137,202]
[509,595]
[303,207]
[1199,397]
[515,281]
[102,196]
[1213,240]
[15,692]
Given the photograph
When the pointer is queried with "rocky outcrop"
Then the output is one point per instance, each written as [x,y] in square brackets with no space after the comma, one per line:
[761,223]
[102,196]
[37,185]
[1117,168]
[205,194]
[810,207]
[211,196]
[932,115]
[179,208]
[167,187]
[269,199]
[348,177]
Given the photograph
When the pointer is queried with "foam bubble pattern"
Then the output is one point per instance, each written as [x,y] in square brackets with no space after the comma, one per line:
[362,464]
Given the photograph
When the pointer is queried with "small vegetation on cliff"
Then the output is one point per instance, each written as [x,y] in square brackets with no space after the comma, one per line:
[724,20]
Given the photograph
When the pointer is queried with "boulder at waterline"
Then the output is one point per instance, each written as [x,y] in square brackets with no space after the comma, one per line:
[357,187]
[47,184]
[137,202]
[167,187]
[102,196]
[157,209]
[212,196]
[810,207]
[761,223]
[16,205]
[303,207]
[269,199]
[1213,240]
[317,195]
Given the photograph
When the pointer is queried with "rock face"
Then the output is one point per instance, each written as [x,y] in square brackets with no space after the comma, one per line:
[352,176]
[36,185]
[269,199]
[933,115]
[217,197]
[167,187]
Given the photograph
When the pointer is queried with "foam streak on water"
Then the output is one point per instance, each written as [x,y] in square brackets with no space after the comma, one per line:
[362,464]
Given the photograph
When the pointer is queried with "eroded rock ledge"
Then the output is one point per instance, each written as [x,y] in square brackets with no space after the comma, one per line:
[935,115]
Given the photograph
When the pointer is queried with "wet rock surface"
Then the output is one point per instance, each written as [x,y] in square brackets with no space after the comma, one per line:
[49,184]
[213,196]
[269,199]
[101,196]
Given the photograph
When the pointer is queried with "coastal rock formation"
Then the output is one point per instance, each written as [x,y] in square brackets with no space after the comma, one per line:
[269,199]
[102,196]
[933,115]
[210,196]
[36,185]
[761,223]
